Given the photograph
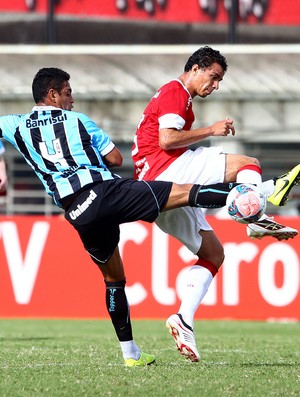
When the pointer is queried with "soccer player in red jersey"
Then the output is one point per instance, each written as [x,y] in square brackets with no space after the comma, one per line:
[160,152]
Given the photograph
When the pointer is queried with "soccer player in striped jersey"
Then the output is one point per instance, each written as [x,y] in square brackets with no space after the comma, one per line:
[72,157]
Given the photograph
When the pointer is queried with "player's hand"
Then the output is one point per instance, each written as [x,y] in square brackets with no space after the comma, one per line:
[230,126]
[223,127]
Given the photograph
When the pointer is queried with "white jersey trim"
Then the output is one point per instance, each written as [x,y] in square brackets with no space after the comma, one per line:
[171,120]
[108,149]
[44,107]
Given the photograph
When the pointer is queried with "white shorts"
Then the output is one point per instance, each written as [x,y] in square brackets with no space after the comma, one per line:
[203,166]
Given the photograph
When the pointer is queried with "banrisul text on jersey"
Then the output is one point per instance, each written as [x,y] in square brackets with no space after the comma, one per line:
[47,121]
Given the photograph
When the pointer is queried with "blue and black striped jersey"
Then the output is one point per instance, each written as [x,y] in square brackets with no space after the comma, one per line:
[64,148]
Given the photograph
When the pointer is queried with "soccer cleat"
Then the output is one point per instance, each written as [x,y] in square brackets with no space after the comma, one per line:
[184,337]
[145,359]
[266,226]
[283,185]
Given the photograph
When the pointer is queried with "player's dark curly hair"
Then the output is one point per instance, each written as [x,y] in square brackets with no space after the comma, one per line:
[205,57]
[47,78]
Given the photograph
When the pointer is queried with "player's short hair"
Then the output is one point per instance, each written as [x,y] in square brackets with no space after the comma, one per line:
[47,78]
[205,57]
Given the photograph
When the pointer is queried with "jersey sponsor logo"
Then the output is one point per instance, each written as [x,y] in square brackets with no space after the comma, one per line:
[43,122]
[70,171]
[84,206]
[141,167]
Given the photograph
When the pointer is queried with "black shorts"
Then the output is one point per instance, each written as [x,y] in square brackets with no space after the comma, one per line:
[97,212]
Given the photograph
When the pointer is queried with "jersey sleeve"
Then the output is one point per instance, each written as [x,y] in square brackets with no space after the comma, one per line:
[108,149]
[171,120]
[173,107]
[8,125]
[100,140]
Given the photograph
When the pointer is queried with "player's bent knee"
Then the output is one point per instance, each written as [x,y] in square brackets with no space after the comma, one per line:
[250,161]
[217,257]
[217,260]
[220,261]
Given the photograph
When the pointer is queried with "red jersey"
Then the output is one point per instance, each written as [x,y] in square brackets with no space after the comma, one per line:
[170,107]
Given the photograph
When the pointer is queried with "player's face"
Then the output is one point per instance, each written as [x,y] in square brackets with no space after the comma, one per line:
[65,100]
[207,80]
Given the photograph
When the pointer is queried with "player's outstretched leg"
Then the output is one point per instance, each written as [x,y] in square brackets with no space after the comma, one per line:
[184,337]
[283,186]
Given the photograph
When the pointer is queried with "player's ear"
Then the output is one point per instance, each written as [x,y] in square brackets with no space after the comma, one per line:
[195,68]
[52,95]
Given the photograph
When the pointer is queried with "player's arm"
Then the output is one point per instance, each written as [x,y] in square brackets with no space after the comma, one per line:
[110,154]
[113,158]
[3,176]
[171,138]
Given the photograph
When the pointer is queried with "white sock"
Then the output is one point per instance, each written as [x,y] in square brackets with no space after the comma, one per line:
[250,175]
[130,350]
[198,281]
[268,187]
[253,176]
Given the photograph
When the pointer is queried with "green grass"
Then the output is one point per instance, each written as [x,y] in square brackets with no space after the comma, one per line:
[57,358]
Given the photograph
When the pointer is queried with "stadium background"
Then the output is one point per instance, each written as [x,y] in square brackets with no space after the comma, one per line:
[117,57]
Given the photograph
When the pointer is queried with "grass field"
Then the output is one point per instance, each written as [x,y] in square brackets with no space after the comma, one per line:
[79,358]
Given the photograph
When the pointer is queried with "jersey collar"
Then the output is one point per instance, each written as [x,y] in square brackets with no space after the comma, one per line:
[180,82]
[44,108]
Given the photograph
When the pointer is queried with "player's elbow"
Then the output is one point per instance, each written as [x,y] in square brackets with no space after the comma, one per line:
[164,144]
[114,158]
[166,139]
[119,162]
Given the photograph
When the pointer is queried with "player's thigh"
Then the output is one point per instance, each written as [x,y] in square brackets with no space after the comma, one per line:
[184,224]
[142,200]
[236,161]
[203,166]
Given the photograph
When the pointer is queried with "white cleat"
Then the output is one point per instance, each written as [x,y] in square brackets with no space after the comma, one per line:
[266,226]
[184,337]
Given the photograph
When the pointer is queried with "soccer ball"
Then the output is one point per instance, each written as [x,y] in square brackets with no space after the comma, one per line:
[246,203]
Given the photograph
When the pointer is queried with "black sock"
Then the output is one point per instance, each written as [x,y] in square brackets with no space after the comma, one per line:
[118,309]
[210,196]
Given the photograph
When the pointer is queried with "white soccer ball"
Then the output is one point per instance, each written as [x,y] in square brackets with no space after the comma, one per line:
[246,203]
